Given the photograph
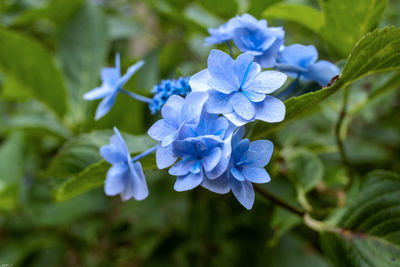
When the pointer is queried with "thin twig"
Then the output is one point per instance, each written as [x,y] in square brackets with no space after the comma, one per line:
[276,200]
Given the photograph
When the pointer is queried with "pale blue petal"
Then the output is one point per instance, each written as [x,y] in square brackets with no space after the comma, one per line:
[199,81]
[116,180]
[162,131]
[237,174]
[322,72]
[212,159]
[98,92]
[236,119]
[110,76]
[188,182]
[105,106]
[192,107]
[226,151]
[218,103]
[224,86]
[172,109]
[255,175]
[240,149]
[243,69]
[221,66]
[139,185]
[165,157]
[254,96]
[220,185]
[181,168]
[262,149]
[242,106]
[244,193]
[112,154]
[238,135]
[118,141]
[270,110]
[298,55]
[266,82]
[131,70]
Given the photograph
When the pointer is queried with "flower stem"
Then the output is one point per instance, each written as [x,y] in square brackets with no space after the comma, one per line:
[136,96]
[276,200]
[229,48]
[145,153]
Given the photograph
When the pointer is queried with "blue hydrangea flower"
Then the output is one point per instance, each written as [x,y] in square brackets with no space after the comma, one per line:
[255,37]
[222,34]
[177,112]
[167,88]
[247,166]
[300,61]
[124,177]
[204,150]
[238,89]
[112,82]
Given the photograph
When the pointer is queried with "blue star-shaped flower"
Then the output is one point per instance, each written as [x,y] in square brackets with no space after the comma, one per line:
[238,89]
[255,37]
[300,61]
[124,177]
[112,82]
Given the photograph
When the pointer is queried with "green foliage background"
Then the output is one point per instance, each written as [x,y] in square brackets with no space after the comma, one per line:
[336,158]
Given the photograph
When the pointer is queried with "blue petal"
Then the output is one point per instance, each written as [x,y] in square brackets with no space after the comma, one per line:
[226,151]
[298,55]
[322,72]
[237,136]
[165,157]
[116,181]
[184,147]
[270,110]
[98,92]
[192,107]
[237,174]
[266,82]
[224,86]
[240,149]
[255,175]
[242,106]
[244,193]
[212,159]
[161,131]
[181,168]
[172,109]
[199,81]
[243,68]
[131,70]
[236,119]
[221,67]
[112,154]
[220,185]
[262,148]
[254,96]
[110,76]
[188,182]
[139,186]
[118,141]
[218,103]
[105,106]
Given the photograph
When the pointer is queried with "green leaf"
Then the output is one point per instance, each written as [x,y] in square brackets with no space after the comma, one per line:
[11,166]
[83,151]
[301,14]
[305,169]
[368,233]
[346,21]
[82,51]
[26,61]
[376,52]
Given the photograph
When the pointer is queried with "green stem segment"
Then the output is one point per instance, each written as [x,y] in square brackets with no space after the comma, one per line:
[277,201]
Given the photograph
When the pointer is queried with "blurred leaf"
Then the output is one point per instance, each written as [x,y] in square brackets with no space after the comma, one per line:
[12,169]
[346,21]
[201,16]
[83,151]
[30,64]
[123,28]
[257,7]
[224,8]
[368,234]
[301,14]
[56,10]
[82,51]
[305,169]
[376,52]
[282,222]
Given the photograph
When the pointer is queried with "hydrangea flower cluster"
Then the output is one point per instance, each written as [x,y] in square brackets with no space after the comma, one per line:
[201,133]
[266,44]
[167,88]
